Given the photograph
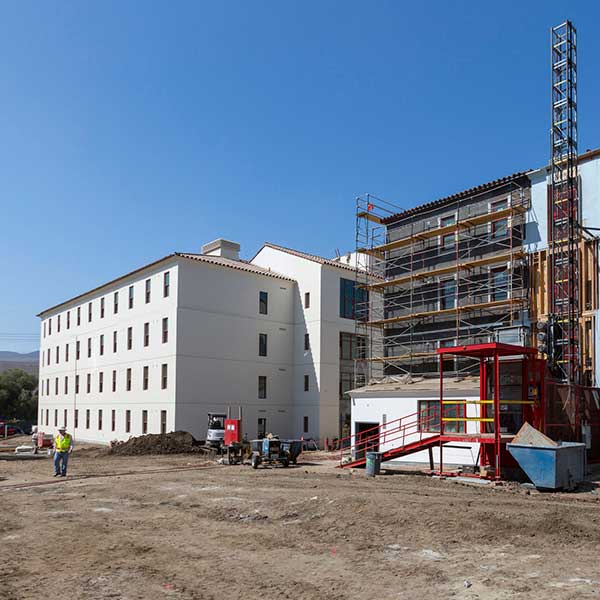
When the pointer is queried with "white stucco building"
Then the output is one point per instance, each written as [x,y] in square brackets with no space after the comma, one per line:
[157,349]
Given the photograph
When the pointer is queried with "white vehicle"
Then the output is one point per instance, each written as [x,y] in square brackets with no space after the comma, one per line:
[216,429]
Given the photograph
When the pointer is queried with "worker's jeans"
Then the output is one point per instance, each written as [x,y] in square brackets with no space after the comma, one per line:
[60,462]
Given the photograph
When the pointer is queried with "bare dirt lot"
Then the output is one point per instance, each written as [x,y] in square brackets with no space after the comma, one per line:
[182,527]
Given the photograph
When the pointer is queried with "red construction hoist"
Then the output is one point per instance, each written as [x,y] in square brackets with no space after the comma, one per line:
[563,212]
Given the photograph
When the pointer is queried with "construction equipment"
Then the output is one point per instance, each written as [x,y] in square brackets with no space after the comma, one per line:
[268,451]
[215,434]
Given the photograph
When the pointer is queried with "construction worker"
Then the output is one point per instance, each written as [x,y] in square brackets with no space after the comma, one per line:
[63,446]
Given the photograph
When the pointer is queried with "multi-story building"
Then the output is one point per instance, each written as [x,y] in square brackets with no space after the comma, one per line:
[157,349]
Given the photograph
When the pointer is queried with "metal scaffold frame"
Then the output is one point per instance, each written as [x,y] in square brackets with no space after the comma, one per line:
[564,232]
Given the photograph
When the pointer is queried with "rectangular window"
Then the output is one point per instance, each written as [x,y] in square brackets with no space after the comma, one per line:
[500,227]
[57,355]
[102,344]
[88,387]
[448,240]
[263,303]
[163,376]
[65,418]
[89,348]
[114,341]
[68,319]
[144,422]
[114,381]
[499,284]
[130,296]
[165,330]
[354,301]
[148,290]
[262,427]
[47,417]
[127,421]
[429,417]
[146,334]
[166,284]
[50,326]
[43,358]
[102,308]
[48,357]
[66,352]
[89,312]
[145,379]
[305,425]
[48,386]
[163,421]
[78,316]
[129,338]
[55,417]
[99,419]
[262,387]
[56,386]
[113,419]
[306,383]
[100,382]
[76,419]
[115,303]
[77,384]
[58,324]
[307,300]
[306,341]
[447,294]
[77,350]
[66,384]
[128,386]
[262,344]
[87,418]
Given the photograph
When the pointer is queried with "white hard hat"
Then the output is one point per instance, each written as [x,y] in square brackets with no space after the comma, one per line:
[62,428]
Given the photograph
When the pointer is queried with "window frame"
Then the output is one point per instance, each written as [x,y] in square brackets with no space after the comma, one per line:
[263,303]
[262,387]
[263,344]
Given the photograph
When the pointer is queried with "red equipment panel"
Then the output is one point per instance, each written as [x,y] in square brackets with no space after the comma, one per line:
[233,431]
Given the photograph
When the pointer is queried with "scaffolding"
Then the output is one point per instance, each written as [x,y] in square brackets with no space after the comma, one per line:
[438,281]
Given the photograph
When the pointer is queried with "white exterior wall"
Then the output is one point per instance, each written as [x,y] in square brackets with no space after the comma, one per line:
[378,409]
[218,362]
[154,355]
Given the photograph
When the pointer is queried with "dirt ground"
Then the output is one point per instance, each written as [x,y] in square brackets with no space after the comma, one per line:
[183,527]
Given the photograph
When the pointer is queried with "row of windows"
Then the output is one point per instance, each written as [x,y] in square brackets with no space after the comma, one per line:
[166,286]
[262,386]
[47,356]
[263,345]
[100,423]
[263,302]
[45,387]
[498,288]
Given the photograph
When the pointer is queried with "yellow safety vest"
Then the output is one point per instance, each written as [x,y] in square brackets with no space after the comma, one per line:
[62,444]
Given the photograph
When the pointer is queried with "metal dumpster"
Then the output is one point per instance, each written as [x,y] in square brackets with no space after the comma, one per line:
[293,448]
[551,467]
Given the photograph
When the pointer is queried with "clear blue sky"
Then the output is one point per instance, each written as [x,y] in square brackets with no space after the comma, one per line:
[134,129]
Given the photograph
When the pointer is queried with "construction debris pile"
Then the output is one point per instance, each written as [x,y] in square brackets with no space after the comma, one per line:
[177,442]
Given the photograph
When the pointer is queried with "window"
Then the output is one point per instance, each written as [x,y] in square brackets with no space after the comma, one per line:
[499,284]
[48,357]
[89,312]
[352,346]
[115,303]
[88,388]
[429,417]
[263,303]
[306,383]
[129,338]
[87,418]
[145,379]
[148,290]
[65,417]
[166,284]
[499,228]
[305,426]
[66,384]
[146,334]
[128,385]
[163,377]
[78,316]
[101,344]
[113,419]
[56,386]
[57,355]
[102,308]
[130,296]
[77,384]
[50,326]
[100,382]
[306,341]
[55,417]
[114,341]
[144,422]
[58,324]
[47,417]
[262,344]
[447,241]
[262,427]
[77,350]
[44,328]
[89,347]
[99,418]
[68,319]
[76,419]
[262,387]
[447,294]
[163,421]
[48,387]
[307,300]
[66,352]
[165,330]
[354,301]
[127,421]
[114,381]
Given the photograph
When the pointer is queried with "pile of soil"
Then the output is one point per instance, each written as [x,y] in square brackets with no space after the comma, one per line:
[177,442]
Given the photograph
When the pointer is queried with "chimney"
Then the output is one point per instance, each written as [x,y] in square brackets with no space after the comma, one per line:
[223,248]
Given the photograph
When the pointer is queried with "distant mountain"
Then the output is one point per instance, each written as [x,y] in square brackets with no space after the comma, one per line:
[7,356]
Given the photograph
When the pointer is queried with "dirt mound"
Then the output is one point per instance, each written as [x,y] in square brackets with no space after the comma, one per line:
[177,442]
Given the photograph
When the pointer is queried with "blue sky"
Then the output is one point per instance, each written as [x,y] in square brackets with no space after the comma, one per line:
[134,129]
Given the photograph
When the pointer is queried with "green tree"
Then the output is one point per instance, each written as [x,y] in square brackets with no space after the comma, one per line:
[18,395]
